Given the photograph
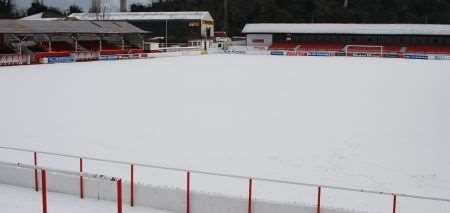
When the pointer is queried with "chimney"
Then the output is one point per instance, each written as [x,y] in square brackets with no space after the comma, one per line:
[123,6]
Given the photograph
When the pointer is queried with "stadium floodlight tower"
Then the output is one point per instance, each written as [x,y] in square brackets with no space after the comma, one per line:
[123,6]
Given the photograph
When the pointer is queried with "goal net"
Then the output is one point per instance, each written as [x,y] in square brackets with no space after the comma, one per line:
[363,50]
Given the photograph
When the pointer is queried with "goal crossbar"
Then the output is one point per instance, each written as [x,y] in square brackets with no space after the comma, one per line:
[363,46]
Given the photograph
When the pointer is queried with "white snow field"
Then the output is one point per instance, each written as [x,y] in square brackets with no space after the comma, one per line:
[17,200]
[379,124]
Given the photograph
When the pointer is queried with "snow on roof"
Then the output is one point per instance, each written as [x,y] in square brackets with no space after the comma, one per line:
[195,15]
[360,29]
[40,17]
[51,27]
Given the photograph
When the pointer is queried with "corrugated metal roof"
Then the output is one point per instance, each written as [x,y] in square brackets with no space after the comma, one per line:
[195,15]
[48,27]
[360,29]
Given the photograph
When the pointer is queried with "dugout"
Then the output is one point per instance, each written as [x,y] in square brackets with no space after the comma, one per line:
[174,27]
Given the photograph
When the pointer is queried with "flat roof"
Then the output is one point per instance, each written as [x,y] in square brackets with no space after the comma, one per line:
[194,15]
[359,29]
[61,27]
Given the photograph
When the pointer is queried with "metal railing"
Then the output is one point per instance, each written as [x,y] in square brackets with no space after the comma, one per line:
[216,174]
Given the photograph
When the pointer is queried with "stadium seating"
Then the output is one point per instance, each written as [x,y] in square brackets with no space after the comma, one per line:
[57,46]
[90,45]
[6,50]
[334,47]
[392,48]
[283,46]
[429,49]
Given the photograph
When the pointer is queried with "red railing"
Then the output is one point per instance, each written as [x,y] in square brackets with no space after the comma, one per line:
[188,173]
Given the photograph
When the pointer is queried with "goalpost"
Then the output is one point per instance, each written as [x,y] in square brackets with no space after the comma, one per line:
[379,50]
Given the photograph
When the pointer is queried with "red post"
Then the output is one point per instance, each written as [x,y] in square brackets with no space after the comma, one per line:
[132,186]
[44,191]
[119,196]
[188,189]
[394,209]
[36,182]
[81,179]
[319,190]
[250,186]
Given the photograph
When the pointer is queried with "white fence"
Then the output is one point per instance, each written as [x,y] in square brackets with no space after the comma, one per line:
[14,59]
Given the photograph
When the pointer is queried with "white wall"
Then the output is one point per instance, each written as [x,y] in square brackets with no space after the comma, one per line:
[259,40]
[164,198]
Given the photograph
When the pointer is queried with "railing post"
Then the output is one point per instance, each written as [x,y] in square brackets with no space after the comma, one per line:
[81,179]
[119,196]
[36,182]
[394,209]
[188,190]
[250,189]
[319,191]
[132,186]
[44,191]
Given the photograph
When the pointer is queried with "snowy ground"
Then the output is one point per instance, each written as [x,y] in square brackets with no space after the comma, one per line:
[372,123]
[20,200]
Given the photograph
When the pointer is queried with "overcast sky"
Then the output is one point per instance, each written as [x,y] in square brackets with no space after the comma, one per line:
[64,4]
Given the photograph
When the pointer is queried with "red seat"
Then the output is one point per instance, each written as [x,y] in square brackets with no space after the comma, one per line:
[429,49]
[283,46]
[334,47]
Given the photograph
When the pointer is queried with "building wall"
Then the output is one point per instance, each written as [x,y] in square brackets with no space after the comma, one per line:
[179,31]
[259,40]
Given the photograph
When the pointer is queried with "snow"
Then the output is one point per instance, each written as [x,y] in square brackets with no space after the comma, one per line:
[370,123]
[191,15]
[20,200]
[360,29]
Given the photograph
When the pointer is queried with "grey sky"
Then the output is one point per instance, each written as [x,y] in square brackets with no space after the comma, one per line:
[64,4]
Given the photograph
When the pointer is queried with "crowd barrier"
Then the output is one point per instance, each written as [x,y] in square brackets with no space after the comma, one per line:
[101,187]
[175,199]
[258,51]
[14,59]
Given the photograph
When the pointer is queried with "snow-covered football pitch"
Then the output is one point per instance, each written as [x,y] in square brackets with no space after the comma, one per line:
[379,124]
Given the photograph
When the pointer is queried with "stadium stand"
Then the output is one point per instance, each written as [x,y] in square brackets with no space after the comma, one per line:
[57,40]
[389,40]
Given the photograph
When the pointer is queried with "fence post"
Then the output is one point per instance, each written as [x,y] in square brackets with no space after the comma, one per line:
[188,189]
[36,182]
[250,189]
[119,196]
[319,190]
[44,191]
[394,209]
[81,179]
[132,186]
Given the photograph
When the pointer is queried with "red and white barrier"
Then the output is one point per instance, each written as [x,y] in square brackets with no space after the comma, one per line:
[103,187]
[81,179]
[44,190]
[14,59]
